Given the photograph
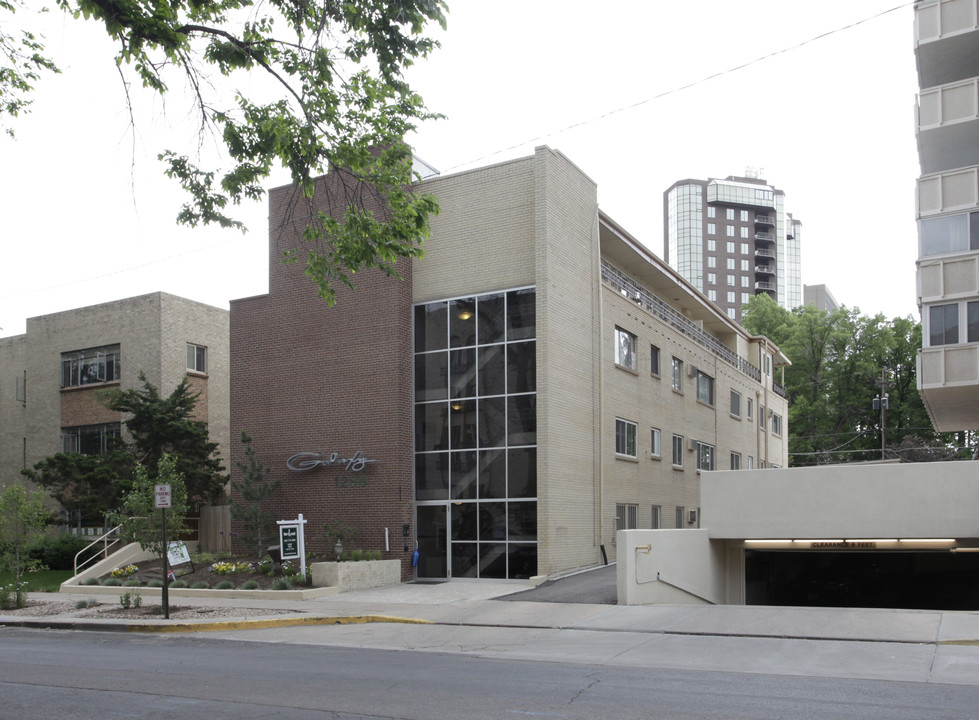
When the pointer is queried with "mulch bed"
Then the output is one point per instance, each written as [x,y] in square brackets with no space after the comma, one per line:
[192,573]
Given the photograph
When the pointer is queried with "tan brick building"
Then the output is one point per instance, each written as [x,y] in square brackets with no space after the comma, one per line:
[537,381]
[50,376]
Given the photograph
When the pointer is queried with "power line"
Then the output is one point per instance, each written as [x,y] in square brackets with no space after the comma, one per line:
[676,90]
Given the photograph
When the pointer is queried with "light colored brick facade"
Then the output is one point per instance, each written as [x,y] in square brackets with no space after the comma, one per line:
[529,223]
[152,332]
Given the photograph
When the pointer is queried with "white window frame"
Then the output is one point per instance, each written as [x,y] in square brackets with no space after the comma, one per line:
[625,349]
[677,451]
[625,438]
[677,374]
[705,456]
[655,442]
[736,404]
[197,358]
[656,517]
[735,460]
[654,360]
[750,408]
[776,424]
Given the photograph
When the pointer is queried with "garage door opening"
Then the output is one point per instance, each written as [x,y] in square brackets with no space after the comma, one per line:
[924,580]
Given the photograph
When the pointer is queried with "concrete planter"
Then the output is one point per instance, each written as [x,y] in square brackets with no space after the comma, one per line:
[356,575]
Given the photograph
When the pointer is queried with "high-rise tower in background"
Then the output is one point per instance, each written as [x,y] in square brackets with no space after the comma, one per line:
[947,53]
[732,239]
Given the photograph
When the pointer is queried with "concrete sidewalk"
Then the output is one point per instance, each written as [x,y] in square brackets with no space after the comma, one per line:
[470,618]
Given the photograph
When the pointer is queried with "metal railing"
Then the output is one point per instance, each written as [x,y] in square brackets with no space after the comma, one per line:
[765,236]
[764,220]
[763,252]
[770,269]
[105,538]
[656,307]
[779,390]
[765,286]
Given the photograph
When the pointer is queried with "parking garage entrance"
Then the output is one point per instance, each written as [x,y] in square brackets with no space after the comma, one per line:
[913,579]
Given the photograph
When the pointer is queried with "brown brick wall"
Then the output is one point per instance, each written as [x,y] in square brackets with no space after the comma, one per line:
[310,378]
[198,385]
[81,406]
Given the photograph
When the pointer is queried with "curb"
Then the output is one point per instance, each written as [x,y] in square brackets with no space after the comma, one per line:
[169,626]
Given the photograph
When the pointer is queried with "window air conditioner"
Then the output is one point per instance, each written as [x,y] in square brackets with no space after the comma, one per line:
[692,517]
[692,445]
[692,370]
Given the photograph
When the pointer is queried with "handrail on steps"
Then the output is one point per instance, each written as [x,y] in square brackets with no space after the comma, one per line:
[103,553]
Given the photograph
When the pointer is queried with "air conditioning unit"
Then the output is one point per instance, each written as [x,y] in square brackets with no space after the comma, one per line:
[692,370]
[692,445]
[692,517]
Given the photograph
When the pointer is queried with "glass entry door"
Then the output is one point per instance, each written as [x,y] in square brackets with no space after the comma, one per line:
[433,542]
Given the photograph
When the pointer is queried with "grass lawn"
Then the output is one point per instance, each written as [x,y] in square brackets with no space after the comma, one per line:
[41,581]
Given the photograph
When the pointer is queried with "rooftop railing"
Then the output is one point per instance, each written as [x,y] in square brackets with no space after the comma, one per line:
[656,307]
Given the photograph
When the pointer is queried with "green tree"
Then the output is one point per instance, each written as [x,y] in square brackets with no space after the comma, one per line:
[837,360]
[165,426]
[22,523]
[247,495]
[158,426]
[333,90]
[139,516]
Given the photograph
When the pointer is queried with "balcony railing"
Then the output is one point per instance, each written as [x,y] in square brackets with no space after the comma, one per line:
[618,280]
[770,237]
[770,269]
[762,252]
[779,390]
[764,220]
[765,286]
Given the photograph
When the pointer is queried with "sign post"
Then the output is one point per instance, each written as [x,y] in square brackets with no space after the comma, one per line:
[163,499]
[292,541]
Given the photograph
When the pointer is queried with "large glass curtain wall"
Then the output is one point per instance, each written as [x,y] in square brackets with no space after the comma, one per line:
[476,429]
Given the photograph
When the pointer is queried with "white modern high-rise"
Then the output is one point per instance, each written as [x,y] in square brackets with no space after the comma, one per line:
[947,54]
[732,239]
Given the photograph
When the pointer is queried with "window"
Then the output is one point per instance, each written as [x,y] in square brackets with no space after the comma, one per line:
[626,516]
[89,439]
[711,212]
[950,233]
[625,349]
[94,365]
[730,213]
[744,216]
[776,424]
[744,248]
[196,358]
[711,245]
[679,516]
[712,262]
[750,406]
[730,296]
[744,282]
[657,519]
[744,268]
[625,438]
[678,374]
[736,403]
[972,322]
[678,451]
[943,324]
[654,438]
[730,280]
[735,461]
[705,456]
[712,295]
[745,298]
[744,232]
[761,416]
[711,228]
[732,313]
[730,264]
[730,230]
[730,247]
[712,278]
[654,360]
[751,463]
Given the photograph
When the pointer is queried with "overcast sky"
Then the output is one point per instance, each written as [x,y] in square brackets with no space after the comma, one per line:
[637,93]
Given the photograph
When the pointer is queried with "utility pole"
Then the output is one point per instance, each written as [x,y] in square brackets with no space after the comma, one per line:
[881,403]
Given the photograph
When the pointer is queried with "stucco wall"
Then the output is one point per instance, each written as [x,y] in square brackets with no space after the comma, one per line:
[914,500]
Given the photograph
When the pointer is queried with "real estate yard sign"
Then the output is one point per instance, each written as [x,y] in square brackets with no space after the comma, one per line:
[292,542]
